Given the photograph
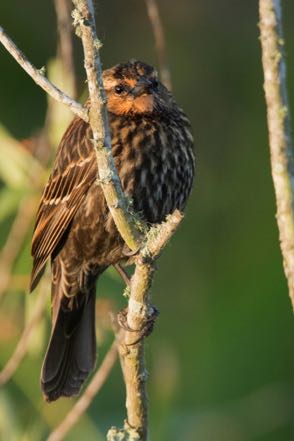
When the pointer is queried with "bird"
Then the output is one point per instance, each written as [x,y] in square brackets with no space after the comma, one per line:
[153,151]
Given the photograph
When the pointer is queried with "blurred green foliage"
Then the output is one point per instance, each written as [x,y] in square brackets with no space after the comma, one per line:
[221,358]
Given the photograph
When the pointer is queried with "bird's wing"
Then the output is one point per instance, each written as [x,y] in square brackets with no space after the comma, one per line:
[74,171]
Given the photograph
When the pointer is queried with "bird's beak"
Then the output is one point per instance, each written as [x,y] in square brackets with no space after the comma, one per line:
[143,87]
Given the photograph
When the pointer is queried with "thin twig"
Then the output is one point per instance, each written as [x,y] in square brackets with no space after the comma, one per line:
[278,117]
[39,77]
[84,21]
[23,342]
[123,274]
[159,235]
[65,44]
[14,241]
[157,27]
[86,399]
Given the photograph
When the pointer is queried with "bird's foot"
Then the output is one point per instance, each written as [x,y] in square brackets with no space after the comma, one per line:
[124,275]
[146,328]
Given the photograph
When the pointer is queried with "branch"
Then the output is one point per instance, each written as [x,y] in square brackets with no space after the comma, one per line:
[157,27]
[14,241]
[39,77]
[159,235]
[108,178]
[65,44]
[278,117]
[86,399]
[140,312]
[22,345]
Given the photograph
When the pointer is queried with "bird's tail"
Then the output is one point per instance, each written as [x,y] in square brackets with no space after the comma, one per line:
[71,352]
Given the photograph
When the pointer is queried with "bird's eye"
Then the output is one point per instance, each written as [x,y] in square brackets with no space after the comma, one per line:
[155,84]
[119,89]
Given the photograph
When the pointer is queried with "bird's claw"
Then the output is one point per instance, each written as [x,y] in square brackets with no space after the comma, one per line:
[144,331]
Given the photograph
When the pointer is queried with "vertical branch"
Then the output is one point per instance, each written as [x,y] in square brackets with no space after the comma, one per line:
[84,21]
[278,117]
[61,70]
[141,317]
[15,241]
[155,20]
[139,313]
[65,44]
[23,342]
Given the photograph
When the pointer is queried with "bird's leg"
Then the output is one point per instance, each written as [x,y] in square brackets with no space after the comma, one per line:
[145,330]
[122,273]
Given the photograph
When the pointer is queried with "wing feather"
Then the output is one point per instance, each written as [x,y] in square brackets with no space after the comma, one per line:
[74,171]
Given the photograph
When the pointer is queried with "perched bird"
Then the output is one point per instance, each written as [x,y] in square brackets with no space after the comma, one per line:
[152,148]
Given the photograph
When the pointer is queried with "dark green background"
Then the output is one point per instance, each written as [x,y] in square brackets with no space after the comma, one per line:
[221,358]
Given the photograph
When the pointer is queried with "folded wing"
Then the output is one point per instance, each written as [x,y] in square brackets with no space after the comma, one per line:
[73,173]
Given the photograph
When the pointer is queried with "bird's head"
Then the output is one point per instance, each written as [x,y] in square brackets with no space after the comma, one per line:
[134,88]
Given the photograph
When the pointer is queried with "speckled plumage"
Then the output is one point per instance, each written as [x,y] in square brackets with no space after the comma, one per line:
[152,147]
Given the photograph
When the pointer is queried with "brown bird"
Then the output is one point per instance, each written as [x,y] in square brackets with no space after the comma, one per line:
[152,148]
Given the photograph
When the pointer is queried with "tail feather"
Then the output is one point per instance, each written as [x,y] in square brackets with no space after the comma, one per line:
[71,353]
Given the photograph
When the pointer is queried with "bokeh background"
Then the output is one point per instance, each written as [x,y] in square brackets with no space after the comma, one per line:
[221,358]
